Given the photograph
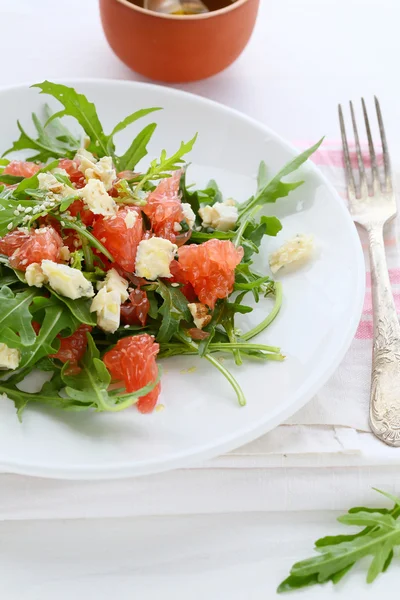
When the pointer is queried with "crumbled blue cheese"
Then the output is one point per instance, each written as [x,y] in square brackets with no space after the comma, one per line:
[34,275]
[221,216]
[96,198]
[154,257]
[296,250]
[65,253]
[115,283]
[67,281]
[102,169]
[107,305]
[188,213]
[49,183]
[9,357]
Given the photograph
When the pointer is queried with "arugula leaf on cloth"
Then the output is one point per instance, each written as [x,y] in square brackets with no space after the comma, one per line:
[337,554]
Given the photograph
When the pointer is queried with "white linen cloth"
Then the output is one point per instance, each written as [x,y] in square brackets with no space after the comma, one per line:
[324,457]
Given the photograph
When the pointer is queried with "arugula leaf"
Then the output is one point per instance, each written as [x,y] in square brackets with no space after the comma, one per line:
[25,142]
[8,219]
[262,176]
[174,309]
[15,314]
[56,319]
[337,554]
[79,308]
[161,168]
[78,106]
[7,276]
[60,133]
[253,233]
[10,179]
[52,142]
[276,188]
[137,150]
[211,194]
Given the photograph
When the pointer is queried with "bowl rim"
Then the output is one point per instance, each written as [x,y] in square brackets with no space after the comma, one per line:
[214,13]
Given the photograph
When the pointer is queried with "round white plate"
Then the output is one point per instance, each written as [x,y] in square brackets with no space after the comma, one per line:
[319,316]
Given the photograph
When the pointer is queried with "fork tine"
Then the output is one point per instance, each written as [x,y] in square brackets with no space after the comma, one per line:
[374,168]
[351,188]
[363,177]
[386,160]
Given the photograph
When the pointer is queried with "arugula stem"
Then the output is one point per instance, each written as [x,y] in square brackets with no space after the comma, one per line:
[227,346]
[232,338]
[268,320]
[239,392]
[85,233]
[87,254]
[239,233]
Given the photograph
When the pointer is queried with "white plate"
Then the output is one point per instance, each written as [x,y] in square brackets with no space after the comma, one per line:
[321,309]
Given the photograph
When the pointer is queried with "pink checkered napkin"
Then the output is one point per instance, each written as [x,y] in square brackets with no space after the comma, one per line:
[344,399]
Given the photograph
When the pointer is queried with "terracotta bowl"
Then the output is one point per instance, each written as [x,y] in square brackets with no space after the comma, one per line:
[177,48]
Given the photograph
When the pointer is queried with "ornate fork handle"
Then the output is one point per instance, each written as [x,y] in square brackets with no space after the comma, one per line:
[385,385]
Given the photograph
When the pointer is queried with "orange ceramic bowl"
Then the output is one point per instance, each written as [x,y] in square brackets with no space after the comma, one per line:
[177,48]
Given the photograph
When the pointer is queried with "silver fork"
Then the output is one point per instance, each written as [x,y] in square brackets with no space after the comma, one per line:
[372,206]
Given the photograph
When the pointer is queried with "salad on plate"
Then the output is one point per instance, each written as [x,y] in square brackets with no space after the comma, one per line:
[106,266]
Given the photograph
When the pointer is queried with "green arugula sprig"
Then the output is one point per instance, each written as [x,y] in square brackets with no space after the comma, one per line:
[338,554]
[169,318]
[76,391]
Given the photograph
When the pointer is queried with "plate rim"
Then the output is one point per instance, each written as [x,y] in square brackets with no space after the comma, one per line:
[231,442]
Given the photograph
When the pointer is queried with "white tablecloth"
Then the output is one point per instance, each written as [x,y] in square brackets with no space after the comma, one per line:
[294,92]
[304,57]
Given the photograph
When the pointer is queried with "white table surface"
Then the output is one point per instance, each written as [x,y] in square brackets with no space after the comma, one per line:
[305,57]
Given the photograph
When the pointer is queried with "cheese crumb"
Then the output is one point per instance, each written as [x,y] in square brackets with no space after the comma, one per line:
[130,218]
[34,275]
[115,283]
[219,216]
[9,357]
[95,196]
[49,183]
[102,170]
[107,306]
[296,250]
[67,281]
[154,257]
[188,214]
[65,253]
